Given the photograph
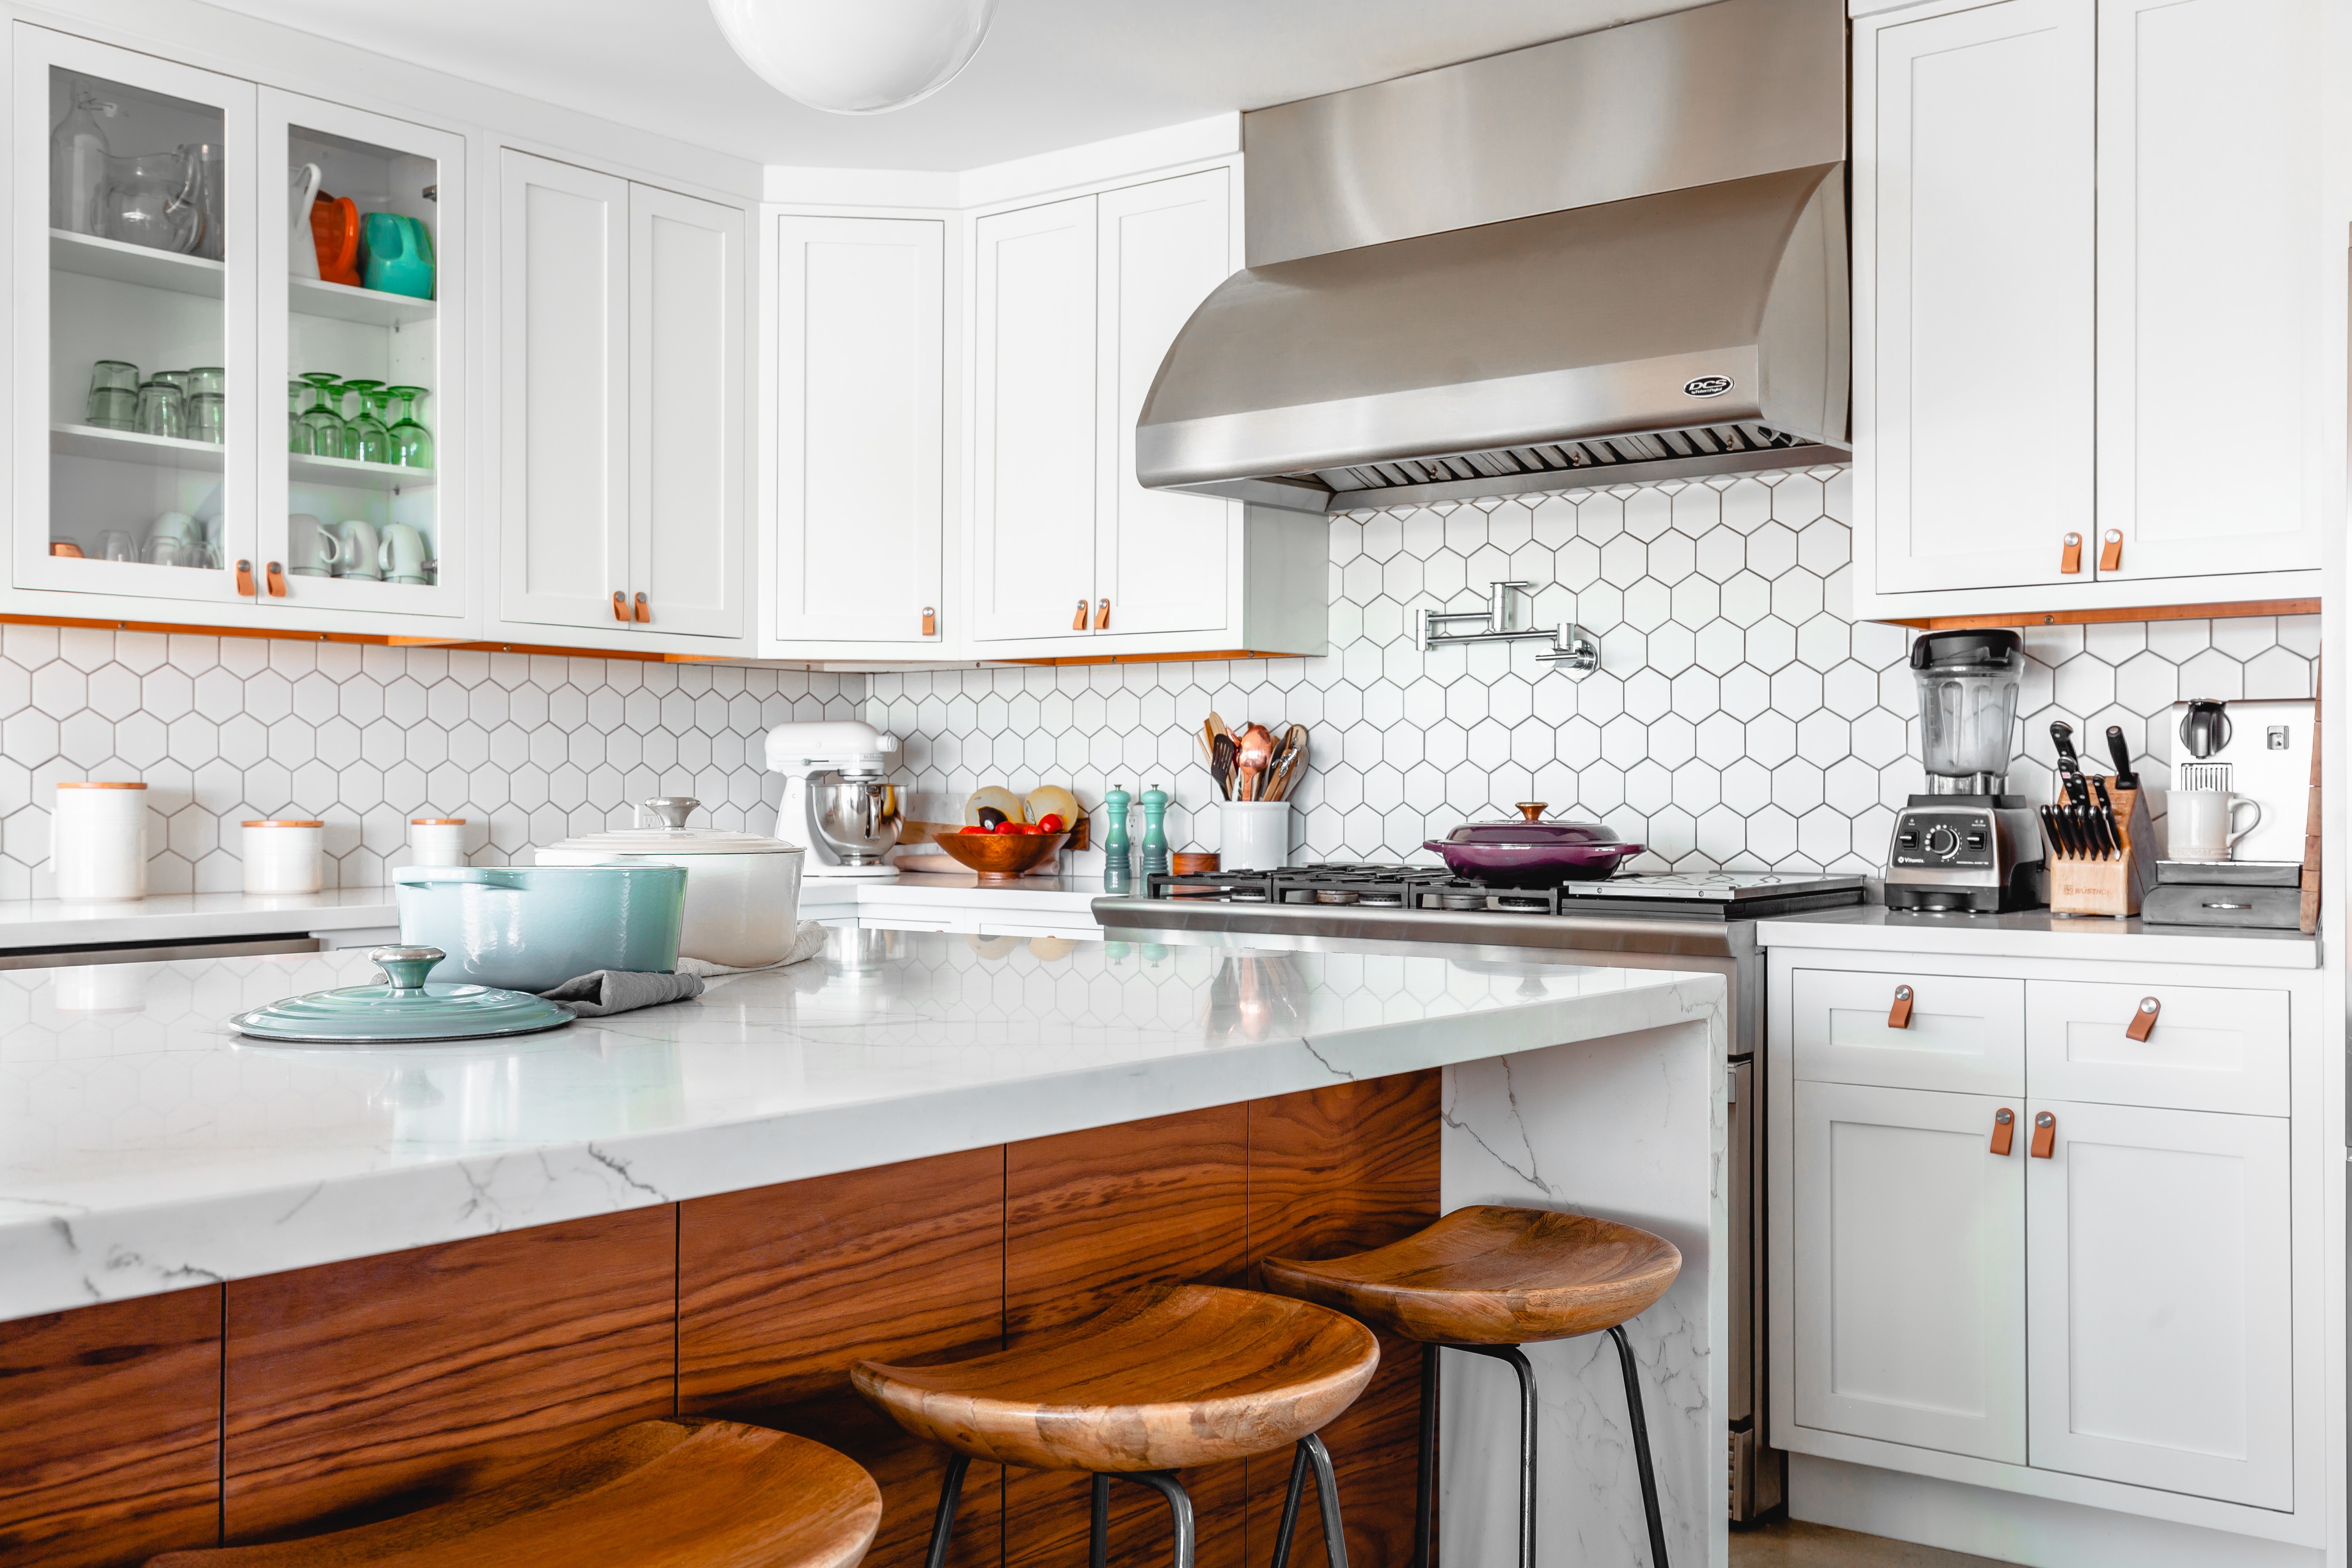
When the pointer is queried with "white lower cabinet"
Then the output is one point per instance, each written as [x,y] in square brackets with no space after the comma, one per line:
[1910,1299]
[2159,1276]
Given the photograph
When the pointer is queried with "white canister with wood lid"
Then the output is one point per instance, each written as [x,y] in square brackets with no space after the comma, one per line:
[284,854]
[98,839]
[436,841]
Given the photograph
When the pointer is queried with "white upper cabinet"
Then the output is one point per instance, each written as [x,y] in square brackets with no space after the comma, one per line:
[621,406]
[2088,304]
[2209,247]
[1973,348]
[1034,406]
[861,366]
[1160,557]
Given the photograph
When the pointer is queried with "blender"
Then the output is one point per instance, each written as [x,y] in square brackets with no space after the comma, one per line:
[1967,844]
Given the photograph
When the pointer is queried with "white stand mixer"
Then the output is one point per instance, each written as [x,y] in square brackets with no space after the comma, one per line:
[838,801]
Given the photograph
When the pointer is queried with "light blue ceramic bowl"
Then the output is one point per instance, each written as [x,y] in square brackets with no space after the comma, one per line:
[531,928]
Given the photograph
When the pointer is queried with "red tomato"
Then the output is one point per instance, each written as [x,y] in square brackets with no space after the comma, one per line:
[1008,827]
[973,829]
[1049,823]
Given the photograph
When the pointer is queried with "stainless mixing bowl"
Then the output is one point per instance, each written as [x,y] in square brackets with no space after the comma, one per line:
[857,818]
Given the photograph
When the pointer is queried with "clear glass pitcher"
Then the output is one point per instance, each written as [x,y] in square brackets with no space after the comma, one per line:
[1968,684]
[151,200]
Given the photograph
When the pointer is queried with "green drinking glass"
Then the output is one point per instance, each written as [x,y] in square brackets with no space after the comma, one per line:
[411,443]
[298,435]
[365,438]
[321,420]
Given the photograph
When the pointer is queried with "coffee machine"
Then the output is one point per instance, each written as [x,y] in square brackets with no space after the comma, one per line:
[838,800]
[1968,845]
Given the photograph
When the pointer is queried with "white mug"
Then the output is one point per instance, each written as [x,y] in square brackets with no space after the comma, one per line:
[176,525]
[358,549]
[316,552]
[401,554]
[2204,822]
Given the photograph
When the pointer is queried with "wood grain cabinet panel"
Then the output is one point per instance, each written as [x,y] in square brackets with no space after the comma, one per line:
[110,1431]
[781,1289]
[1335,1170]
[364,1389]
[1090,1215]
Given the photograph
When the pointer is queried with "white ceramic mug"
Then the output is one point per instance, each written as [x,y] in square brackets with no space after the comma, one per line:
[359,548]
[403,554]
[315,551]
[2204,822]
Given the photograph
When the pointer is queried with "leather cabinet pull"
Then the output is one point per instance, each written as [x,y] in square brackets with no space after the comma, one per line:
[2111,550]
[620,605]
[245,580]
[930,622]
[1102,617]
[644,611]
[1078,621]
[2070,554]
[2143,1022]
[2045,1135]
[2004,1128]
[1899,1016]
[276,576]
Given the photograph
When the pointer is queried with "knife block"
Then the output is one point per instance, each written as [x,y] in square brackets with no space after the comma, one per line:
[2082,886]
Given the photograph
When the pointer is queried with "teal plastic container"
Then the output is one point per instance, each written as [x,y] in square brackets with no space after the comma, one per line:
[399,255]
[531,928]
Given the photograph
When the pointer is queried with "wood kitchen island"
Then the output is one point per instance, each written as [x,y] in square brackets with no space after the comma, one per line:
[250,1291]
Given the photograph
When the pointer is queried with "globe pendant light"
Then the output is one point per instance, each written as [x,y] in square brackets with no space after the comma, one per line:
[855,57]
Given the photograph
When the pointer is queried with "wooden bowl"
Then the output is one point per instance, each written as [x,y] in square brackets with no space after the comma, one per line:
[1000,857]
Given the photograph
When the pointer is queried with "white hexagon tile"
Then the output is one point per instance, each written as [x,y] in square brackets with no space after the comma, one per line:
[528,749]
[1741,718]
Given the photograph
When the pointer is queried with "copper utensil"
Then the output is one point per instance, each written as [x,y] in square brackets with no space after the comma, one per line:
[1253,749]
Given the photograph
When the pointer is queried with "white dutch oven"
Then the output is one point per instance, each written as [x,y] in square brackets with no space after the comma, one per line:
[742,890]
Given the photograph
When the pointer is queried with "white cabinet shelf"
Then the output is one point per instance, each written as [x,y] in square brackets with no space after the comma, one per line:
[128,447]
[95,258]
[344,471]
[368,307]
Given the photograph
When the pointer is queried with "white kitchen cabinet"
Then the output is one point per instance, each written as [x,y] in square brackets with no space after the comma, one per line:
[1909,1300]
[2088,244]
[621,406]
[2160,1275]
[860,399]
[1962,1035]
[2212,1047]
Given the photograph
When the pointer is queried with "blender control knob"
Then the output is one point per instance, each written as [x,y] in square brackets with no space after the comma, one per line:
[1942,841]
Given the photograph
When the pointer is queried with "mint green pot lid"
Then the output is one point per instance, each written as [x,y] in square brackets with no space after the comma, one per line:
[403,1009]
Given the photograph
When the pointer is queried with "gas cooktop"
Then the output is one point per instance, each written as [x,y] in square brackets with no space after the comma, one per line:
[1689,895]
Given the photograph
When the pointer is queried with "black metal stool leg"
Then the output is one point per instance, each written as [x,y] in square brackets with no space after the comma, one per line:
[1526,1442]
[943,1522]
[1289,1526]
[1424,1493]
[1179,1508]
[1098,1527]
[1326,1500]
[1642,1447]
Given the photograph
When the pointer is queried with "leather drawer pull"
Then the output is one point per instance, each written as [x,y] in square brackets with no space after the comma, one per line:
[930,621]
[245,587]
[2070,555]
[2004,1128]
[2045,1135]
[620,605]
[2111,550]
[644,611]
[1899,1016]
[2143,1022]
[275,575]
[1078,621]
[1102,617]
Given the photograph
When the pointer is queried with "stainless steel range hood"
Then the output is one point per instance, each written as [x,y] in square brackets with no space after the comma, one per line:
[1627,280]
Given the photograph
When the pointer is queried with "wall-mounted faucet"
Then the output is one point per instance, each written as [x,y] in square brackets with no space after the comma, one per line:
[1573,648]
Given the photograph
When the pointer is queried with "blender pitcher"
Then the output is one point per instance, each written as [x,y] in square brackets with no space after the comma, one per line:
[1968,684]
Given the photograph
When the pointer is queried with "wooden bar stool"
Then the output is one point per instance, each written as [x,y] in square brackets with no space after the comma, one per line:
[1488,1280]
[1172,1376]
[657,1494]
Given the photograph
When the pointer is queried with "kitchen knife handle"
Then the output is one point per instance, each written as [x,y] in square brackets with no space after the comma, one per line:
[2004,1128]
[2120,750]
[2046,1136]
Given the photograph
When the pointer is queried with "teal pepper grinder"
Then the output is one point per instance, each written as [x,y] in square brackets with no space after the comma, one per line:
[1118,853]
[1155,832]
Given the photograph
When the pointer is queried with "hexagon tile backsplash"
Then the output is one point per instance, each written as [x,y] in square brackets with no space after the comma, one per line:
[1741,718]
[529,749]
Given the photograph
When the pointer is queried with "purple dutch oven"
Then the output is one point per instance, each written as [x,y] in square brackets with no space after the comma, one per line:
[1532,853]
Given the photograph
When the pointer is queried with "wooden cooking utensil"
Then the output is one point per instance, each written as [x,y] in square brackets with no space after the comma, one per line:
[1290,765]
[1252,751]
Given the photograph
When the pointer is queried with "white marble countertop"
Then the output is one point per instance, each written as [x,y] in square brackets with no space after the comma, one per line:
[2036,933]
[185,917]
[143,1146]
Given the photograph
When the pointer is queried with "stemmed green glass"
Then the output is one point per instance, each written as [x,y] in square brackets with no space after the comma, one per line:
[365,439]
[324,425]
[298,435]
[411,443]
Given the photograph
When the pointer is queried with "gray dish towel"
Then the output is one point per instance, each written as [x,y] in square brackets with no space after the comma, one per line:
[622,991]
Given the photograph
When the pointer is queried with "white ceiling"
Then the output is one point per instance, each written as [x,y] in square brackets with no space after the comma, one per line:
[1054,73]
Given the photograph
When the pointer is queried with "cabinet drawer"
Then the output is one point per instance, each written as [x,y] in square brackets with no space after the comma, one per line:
[1966,1032]
[2211,1049]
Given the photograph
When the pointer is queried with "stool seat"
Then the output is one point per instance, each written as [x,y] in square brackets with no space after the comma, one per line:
[1493,1275]
[1172,1376]
[657,1494]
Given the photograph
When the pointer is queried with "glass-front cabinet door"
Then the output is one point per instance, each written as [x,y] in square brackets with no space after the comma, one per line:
[136,353]
[361,245]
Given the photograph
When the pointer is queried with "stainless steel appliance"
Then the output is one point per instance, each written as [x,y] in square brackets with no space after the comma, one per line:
[1700,921]
[838,802]
[1620,256]
[1967,844]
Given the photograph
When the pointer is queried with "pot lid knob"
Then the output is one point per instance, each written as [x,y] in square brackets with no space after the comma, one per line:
[672,810]
[407,967]
[1532,810]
